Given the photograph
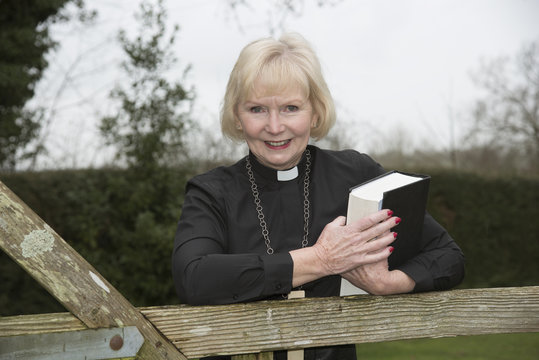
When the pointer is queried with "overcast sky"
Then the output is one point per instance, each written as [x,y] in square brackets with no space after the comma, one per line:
[392,66]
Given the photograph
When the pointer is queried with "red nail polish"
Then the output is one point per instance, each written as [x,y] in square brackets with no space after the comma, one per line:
[389,213]
[395,235]
[391,248]
[397,220]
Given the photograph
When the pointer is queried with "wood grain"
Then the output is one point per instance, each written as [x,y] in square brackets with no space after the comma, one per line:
[277,325]
[266,326]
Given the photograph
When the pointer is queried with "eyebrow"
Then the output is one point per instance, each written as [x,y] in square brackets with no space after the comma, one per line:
[286,101]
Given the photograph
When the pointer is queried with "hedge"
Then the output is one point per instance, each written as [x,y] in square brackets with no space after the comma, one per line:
[123,223]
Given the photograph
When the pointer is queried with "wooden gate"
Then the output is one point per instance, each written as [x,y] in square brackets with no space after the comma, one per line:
[101,323]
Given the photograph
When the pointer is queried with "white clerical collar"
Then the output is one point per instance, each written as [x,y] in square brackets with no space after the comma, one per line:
[287,175]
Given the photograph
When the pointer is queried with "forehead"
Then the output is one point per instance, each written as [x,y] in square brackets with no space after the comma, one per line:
[288,90]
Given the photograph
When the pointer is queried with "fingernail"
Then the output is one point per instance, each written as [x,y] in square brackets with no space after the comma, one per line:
[397,220]
[391,248]
[389,213]
[395,235]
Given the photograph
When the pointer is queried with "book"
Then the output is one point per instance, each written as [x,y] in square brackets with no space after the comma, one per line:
[406,195]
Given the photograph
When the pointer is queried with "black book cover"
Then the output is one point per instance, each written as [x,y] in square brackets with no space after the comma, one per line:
[408,202]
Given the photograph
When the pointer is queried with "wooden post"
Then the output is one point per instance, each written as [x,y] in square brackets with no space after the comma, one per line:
[40,251]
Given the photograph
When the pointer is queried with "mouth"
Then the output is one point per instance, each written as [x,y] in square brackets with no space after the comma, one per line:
[277,144]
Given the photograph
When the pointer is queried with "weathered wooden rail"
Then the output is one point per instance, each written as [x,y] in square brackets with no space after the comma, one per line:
[181,331]
[276,325]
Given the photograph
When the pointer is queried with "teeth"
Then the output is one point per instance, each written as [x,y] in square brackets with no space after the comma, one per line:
[277,143]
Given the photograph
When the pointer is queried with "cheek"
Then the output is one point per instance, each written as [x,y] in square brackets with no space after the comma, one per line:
[305,128]
[251,129]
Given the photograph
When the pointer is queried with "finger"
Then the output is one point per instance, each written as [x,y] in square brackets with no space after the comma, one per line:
[380,255]
[371,220]
[381,228]
[380,243]
[373,251]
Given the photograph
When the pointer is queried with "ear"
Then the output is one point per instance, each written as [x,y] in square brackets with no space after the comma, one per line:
[238,125]
[314,121]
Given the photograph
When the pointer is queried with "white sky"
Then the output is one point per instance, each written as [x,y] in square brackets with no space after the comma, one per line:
[392,66]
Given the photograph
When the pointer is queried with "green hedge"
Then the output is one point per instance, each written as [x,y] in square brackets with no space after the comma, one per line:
[496,223]
[123,223]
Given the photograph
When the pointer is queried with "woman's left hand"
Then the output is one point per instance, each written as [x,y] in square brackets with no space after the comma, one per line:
[376,279]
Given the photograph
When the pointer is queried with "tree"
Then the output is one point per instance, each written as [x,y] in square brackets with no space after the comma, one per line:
[508,113]
[24,45]
[150,125]
[24,41]
[148,131]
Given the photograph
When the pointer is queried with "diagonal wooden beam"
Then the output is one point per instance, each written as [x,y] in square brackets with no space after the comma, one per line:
[67,276]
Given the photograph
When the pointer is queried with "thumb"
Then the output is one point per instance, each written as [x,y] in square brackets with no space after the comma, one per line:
[339,221]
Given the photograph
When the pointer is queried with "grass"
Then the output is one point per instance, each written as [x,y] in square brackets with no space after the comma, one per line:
[491,347]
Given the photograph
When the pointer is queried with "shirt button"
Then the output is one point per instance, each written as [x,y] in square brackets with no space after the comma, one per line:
[278,286]
[235,297]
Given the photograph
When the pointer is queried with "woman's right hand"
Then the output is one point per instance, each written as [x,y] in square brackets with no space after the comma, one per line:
[342,247]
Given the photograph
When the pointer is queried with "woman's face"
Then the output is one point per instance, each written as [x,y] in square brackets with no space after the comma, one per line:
[276,127]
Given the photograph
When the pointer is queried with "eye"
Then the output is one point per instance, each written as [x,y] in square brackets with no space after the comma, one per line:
[256,109]
[291,108]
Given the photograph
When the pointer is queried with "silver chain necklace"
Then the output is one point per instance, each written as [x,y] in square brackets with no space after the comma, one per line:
[306,204]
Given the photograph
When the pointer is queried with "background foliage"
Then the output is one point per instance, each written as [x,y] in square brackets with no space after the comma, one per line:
[123,223]
[152,120]
[24,41]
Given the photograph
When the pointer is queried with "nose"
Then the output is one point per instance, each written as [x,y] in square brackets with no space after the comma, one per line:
[274,124]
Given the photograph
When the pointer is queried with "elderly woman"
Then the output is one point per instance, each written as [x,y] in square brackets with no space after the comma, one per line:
[274,221]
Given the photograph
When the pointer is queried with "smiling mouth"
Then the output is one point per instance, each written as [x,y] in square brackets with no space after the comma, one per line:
[277,143]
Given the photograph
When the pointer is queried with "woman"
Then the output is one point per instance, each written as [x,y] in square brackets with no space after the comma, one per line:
[274,221]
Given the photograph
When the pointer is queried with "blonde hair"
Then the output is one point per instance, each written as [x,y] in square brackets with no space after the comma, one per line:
[279,65]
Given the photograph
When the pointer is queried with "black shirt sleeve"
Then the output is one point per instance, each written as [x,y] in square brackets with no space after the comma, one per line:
[440,264]
[205,273]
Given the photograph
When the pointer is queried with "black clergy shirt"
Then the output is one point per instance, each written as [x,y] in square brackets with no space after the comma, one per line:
[219,253]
